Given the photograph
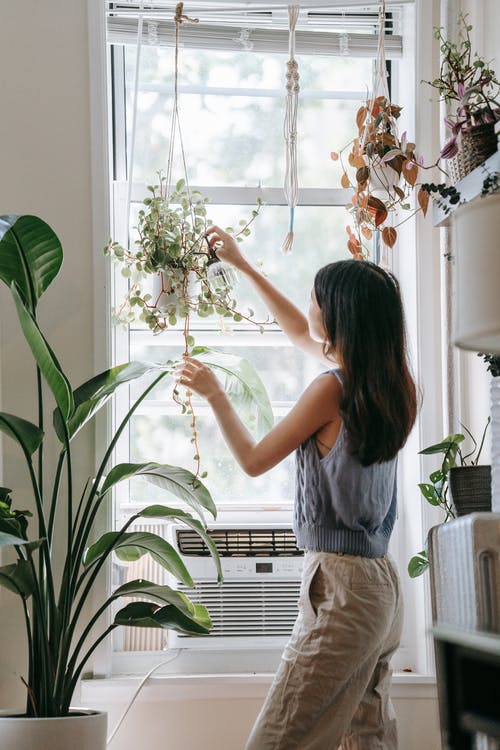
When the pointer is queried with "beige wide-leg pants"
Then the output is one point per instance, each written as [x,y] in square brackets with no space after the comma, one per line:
[331,689]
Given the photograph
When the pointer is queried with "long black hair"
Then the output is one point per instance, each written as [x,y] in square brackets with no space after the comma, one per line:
[363,316]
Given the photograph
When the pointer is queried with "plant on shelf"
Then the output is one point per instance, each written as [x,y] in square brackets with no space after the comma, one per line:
[55,578]
[468,85]
[382,169]
[435,491]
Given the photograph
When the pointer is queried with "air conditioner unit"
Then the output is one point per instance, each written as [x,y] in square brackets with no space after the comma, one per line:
[256,604]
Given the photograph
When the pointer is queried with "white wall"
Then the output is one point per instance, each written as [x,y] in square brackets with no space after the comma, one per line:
[45,158]
[45,169]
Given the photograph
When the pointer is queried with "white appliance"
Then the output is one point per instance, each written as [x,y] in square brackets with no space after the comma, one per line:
[256,604]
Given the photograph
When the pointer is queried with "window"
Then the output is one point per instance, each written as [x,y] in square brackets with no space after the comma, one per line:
[231,101]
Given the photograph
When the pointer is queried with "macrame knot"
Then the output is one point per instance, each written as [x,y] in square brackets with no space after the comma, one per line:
[180,17]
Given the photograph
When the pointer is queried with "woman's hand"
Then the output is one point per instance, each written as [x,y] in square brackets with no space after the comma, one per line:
[193,374]
[226,248]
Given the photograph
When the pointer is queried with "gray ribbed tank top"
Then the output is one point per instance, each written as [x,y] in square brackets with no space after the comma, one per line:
[341,505]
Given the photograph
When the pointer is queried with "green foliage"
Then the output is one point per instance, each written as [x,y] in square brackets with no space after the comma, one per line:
[172,248]
[55,599]
[435,492]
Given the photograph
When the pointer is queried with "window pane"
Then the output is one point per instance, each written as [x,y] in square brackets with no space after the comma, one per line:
[231,108]
[165,439]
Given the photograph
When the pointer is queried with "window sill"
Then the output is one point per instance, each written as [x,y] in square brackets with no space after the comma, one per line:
[247,685]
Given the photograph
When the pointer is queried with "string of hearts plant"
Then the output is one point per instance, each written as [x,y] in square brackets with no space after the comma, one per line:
[382,170]
[175,275]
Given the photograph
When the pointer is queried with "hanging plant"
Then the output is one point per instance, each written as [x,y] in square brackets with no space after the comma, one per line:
[382,170]
[173,272]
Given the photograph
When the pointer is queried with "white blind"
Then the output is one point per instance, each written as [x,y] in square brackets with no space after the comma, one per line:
[327,30]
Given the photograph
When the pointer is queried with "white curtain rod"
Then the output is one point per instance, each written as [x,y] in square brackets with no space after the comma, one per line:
[346,6]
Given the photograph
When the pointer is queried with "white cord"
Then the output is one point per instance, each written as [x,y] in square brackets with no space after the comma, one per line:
[379,83]
[290,127]
[138,690]
[130,170]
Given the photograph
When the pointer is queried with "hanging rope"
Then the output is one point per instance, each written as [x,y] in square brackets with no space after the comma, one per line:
[175,125]
[379,82]
[290,126]
[131,155]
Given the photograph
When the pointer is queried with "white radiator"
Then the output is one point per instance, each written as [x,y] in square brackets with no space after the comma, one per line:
[465,591]
[465,572]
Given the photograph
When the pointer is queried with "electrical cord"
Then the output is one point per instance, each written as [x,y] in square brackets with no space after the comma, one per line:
[138,690]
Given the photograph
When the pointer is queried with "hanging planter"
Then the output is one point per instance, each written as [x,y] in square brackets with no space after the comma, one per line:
[382,167]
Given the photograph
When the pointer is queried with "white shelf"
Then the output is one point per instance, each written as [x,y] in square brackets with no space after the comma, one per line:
[469,188]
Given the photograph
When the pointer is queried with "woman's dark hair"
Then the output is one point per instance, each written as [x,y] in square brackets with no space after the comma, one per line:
[363,317]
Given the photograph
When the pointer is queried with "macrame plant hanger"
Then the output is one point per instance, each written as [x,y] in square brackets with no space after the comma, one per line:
[175,127]
[379,88]
[290,126]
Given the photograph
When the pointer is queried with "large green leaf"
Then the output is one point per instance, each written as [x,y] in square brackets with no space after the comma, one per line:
[30,255]
[18,578]
[161,511]
[93,394]
[149,590]
[149,615]
[10,540]
[243,386]
[131,546]
[27,434]
[45,357]
[180,482]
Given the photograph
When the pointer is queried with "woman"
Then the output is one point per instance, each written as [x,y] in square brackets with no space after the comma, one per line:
[332,685]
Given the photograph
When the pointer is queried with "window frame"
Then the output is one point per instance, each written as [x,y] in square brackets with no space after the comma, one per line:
[425,345]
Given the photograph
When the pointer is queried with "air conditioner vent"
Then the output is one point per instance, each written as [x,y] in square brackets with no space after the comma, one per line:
[241,543]
[247,608]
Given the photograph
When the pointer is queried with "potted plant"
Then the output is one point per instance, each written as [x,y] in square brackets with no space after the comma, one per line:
[61,631]
[468,85]
[382,170]
[462,475]
[173,272]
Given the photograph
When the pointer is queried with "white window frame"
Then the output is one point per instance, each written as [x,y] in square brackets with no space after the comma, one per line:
[425,337]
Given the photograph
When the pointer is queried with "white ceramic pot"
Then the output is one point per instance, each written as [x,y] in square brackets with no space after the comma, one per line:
[382,179]
[81,730]
[476,268]
[495,443]
[167,301]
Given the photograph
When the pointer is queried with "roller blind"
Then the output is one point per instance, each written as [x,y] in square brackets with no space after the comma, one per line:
[328,29]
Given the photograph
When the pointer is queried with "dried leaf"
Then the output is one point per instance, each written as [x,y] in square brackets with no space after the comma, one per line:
[358,162]
[410,172]
[423,200]
[361,117]
[334,156]
[377,209]
[389,236]
[344,180]
[366,232]
[399,192]
[362,174]
[354,247]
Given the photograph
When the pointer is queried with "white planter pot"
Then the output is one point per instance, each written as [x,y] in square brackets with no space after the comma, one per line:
[476,267]
[85,731]
[382,178]
[495,444]
[168,301]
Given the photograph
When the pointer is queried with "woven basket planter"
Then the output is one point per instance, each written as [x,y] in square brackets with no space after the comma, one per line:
[477,144]
[470,489]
